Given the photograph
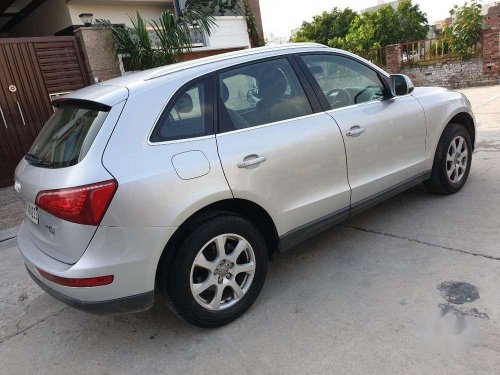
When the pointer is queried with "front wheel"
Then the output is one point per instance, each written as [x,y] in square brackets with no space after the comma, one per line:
[452,161]
[217,272]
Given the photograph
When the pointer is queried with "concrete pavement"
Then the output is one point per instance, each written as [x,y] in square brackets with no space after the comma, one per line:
[376,295]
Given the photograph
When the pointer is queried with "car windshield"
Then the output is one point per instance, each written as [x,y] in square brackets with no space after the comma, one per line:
[67,136]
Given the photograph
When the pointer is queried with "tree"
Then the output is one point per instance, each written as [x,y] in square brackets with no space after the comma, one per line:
[171,31]
[373,30]
[361,35]
[466,28]
[326,26]
[413,22]
[386,26]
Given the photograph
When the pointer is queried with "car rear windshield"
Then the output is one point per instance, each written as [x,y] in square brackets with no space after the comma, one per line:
[68,134]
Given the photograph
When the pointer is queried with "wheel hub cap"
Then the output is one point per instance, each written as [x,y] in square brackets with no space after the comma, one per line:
[223,270]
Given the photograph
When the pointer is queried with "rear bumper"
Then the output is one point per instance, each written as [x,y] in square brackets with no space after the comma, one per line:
[140,302]
[131,255]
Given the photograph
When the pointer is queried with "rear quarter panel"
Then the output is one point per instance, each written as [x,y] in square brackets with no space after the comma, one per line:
[150,191]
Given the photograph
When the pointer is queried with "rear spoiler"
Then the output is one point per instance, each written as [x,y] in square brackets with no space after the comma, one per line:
[80,103]
[108,95]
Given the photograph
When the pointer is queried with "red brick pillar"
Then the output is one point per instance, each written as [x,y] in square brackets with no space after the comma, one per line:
[491,42]
[255,5]
[393,58]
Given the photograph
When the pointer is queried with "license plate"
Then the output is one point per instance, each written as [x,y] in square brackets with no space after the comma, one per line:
[31,212]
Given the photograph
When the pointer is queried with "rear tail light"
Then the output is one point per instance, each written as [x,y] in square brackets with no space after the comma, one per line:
[77,283]
[82,205]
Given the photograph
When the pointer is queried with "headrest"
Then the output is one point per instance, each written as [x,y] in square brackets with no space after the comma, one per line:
[272,84]
[184,103]
[224,92]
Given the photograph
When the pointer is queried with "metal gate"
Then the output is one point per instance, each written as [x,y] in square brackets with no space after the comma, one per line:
[32,71]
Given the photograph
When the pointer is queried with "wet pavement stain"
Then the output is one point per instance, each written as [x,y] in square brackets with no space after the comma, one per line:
[461,312]
[458,292]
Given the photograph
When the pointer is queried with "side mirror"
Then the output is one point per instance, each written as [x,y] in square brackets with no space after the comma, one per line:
[401,85]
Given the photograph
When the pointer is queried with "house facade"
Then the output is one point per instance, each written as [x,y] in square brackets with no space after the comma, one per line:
[46,51]
[35,18]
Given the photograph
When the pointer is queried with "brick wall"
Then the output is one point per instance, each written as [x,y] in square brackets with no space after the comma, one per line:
[492,19]
[484,70]
[255,5]
[393,58]
[98,48]
[491,42]
[452,74]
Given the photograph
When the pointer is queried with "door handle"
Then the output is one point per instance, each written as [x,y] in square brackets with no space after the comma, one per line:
[3,117]
[21,113]
[251,160]
[355,131]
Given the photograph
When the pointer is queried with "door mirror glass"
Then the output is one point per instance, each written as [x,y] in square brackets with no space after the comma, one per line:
[401,85]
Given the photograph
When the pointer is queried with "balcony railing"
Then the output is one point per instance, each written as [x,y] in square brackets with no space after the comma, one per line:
[376,56]
[196,35]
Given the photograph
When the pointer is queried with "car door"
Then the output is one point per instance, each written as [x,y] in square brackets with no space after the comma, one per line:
[276,151]
[384,137]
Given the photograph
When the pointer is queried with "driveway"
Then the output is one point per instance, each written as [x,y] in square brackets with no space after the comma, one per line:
[411,286]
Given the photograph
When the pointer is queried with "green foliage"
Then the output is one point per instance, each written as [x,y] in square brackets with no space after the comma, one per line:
[360,33]
[326,28]
[361,36]
[413,23]
[173,34]
[386,26]
[218,6]
[466,29]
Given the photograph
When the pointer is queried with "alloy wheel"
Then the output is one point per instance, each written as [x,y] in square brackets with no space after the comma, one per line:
[457,159]
[222,272]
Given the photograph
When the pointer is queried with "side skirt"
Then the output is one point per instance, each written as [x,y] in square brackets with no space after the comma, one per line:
[300,234]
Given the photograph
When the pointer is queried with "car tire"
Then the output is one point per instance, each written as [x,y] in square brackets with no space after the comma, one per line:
[197,262]
[452,161]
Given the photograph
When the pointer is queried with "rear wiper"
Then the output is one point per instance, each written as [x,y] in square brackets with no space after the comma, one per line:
[35,160]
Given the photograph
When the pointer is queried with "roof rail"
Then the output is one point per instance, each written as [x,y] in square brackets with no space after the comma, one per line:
[160,72]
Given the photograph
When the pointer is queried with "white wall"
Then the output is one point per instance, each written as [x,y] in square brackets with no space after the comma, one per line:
[231,32]
[118,13]
[49,18]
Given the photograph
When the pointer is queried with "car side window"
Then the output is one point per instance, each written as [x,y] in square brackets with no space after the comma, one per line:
[190,114]
[344,81]
[259,94]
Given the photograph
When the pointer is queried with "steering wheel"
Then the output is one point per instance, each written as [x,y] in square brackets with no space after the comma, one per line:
[356,98]
[339,98]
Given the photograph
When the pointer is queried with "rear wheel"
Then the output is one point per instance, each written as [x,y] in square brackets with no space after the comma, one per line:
[217,271]
[452,161]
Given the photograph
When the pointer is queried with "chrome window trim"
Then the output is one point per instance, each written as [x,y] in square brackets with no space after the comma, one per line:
[172,96]
[270,124]
[180,140]
[286,54]
[357,105]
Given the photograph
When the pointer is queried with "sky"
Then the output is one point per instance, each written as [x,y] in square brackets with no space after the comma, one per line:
[279,17]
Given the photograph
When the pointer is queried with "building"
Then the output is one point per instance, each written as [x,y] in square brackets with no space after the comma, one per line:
[394,4]
[30,18]
[45,52]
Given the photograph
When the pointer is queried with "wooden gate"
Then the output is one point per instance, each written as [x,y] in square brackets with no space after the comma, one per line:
[32,71]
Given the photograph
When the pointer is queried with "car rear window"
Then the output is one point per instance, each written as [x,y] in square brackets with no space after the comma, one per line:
[68,134]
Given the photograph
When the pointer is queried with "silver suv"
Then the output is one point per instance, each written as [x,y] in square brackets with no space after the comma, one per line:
[183,180]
